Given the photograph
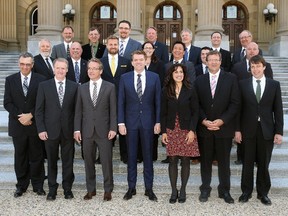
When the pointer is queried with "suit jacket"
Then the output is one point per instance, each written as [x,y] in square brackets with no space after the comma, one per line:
[16,103]
[237,55]
[199,70]
[194,55]
[87,55]
[241,71]
[161,51]
[269,110]
[41,67]
[224,105]
[131,110]
[159,68]
[124,66]
[190,69]
[104,113]
[49,114]
[59,51]
[186,107]
[83,71]
[226,60]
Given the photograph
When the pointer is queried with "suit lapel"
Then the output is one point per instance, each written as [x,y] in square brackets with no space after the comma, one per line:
[18,83]
[54,91]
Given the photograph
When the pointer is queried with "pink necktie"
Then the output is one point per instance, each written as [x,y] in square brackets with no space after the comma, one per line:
[213,85]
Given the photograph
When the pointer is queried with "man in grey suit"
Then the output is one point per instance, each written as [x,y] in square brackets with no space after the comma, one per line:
[95,125]
[62,50]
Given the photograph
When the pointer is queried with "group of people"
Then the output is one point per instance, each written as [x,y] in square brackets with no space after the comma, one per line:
[199,101]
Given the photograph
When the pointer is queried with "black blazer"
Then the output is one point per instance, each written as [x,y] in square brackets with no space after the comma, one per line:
[87,55]
[186,107]
[241,71]
[224,105]
[161,51]
[16,103]
[41,67]
[226,60]
[199,70]
[158,67]
[190,69]
[83,71]
[236,55]
[194,55]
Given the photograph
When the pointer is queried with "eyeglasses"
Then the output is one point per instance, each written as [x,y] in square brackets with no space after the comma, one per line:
[245,37]
[214,60]
[25,65]
[94,69]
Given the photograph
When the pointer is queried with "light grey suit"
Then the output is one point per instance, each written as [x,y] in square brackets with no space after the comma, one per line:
[94,123]
[59,51]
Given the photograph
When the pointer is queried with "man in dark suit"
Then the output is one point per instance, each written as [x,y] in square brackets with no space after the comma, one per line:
[94,49]
[77,66]
[19,101]
[161,50]
[202,68]
[139,117]
[219,102]
[260,126]
[43,63]
[96,98]
[216,39]
[114,66]
[62,50]
[54,115]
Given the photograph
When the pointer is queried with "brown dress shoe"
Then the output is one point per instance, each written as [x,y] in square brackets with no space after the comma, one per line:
[89,195]
[107,196]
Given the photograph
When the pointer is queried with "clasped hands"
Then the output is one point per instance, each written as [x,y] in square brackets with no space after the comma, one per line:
[213,125]
[25,119]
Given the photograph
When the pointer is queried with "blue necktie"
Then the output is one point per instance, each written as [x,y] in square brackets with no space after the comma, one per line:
[186,55]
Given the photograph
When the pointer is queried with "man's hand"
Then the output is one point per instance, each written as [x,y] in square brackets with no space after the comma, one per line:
[165,138]
[157,128]
[43,135]
[77,136]
[238,137]
[122,129]
[278,139]
[111,134]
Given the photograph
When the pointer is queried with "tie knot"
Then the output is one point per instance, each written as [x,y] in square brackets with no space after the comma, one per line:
[139,75]
[76,63]
[95,83]
[258,81]
[25,78]
[60,83]
[46,59]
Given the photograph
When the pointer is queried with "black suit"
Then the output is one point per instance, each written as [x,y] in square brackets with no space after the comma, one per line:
[58,122]
[87,55]
[83,71]
[199,69]
[224,106]
[226,60]
[194,55]
[258,134]
[29,161]
[161,51]
[237,55]
[159,68]
[41,67]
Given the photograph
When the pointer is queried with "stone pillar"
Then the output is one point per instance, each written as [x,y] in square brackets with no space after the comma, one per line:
[281,39]
[49,24]
[209,20]
[8,30]
[131,10]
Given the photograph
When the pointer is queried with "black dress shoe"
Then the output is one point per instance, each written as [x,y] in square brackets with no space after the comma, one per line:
[244,197]
[19,192]
[39,192]
[68,194]
[165,160]
[264,199]
[204,196]
[173,197]
[151,195]
[98,161]
[51,196]
[227,198]
[129,194]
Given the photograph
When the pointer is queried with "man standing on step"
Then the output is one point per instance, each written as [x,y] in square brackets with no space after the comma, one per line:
[19,101]
[62,50]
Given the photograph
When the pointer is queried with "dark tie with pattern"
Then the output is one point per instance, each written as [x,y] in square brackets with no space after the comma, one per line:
[258,90]
[242,55]
[25,86]
[139,87]
[68,51]
[61,93]
[94,95]
[77,72]
[49,65]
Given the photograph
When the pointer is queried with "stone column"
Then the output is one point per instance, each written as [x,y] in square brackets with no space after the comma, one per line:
[281,39]
[131,10]
[49,24]
[209,20]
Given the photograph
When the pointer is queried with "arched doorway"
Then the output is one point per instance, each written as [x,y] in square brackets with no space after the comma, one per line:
[33,21]
[104,17]
[168,21]
[235,19]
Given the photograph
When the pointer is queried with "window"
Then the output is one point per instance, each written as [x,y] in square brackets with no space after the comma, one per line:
[34,21]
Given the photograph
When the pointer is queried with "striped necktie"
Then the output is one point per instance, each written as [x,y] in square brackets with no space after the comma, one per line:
[121,50]
[49,65]
[94,94]
[68,51]
[139,87]
[25,86]
[213,85]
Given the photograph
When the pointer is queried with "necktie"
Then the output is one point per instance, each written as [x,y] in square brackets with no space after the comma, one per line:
[25,86]
[186,55]
[77,72]
[113,66]
[68,51]
[176,62]
[139,87]
[121,50]
[49,65]
[258,90]
[242,55]
[206,69]
[93,51]
[94,95]
[213,85]
[61,93]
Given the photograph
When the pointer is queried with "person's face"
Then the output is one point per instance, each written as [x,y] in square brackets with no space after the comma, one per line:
[124,30]
[76,51]
[25,65]
[186,38]
[148,49]
[216,40]
[67,35]
[112,46]
[178,51]
[94,36]
[94,71]
[138,62]
[60,70]
[213,63]
[178,75]
[245,38]
[151,35]
[203,55]
[45,48]
[257,70]
[252,50]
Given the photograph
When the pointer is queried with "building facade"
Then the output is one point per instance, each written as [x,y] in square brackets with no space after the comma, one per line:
[25,22]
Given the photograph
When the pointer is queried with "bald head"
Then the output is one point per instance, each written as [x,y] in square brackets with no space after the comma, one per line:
[76,50]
